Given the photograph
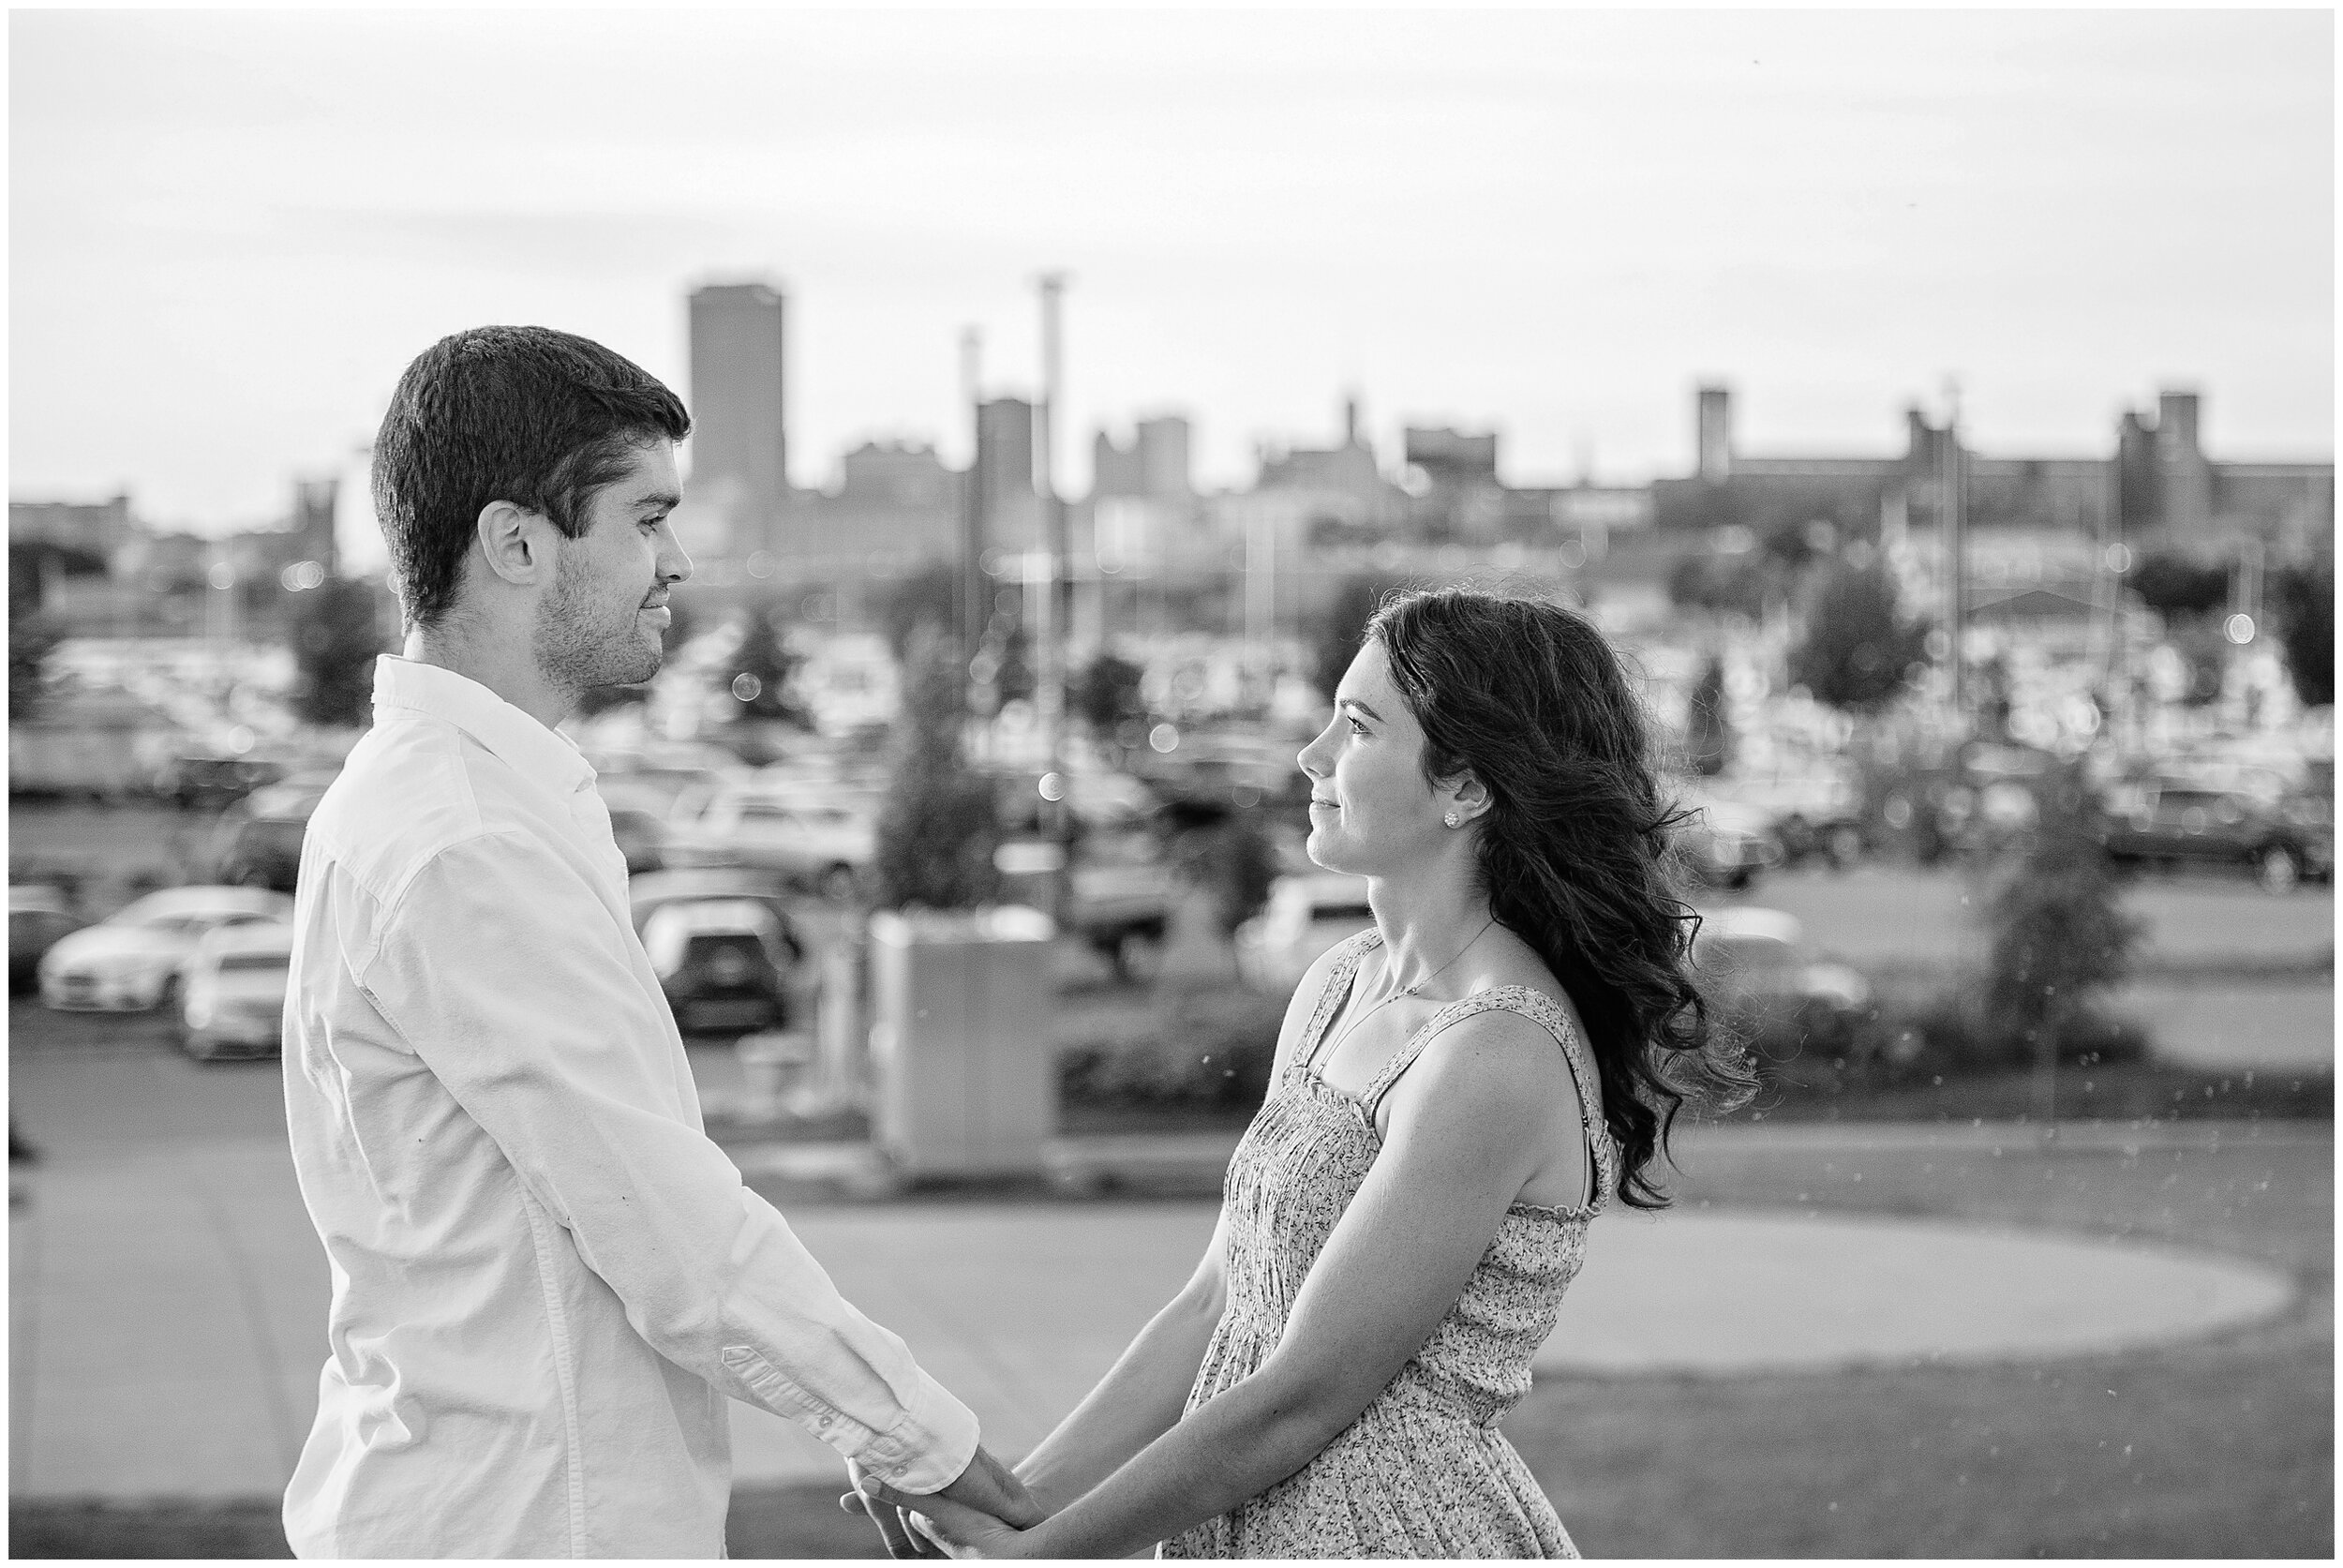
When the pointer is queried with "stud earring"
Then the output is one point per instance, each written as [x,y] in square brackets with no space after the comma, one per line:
[1452,820]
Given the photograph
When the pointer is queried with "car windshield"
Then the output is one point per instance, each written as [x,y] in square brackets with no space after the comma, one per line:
[1748,953]
[231,963]
[170,922]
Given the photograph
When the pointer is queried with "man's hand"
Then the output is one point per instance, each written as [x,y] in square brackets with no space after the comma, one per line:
[986,1486]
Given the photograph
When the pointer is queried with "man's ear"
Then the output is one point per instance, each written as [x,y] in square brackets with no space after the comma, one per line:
[512,542]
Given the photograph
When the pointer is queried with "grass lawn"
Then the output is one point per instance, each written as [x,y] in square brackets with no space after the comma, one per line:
[2222,1448]
[2216,1449]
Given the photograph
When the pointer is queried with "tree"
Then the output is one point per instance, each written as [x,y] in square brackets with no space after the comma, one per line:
[928,597]
[761,668]
[337,632]
[938,825]
[2175,585]
[1336,634]
[2059,940]
[1106,693]
[2302,604]
[31,641]
[1858,652]
[1708,732]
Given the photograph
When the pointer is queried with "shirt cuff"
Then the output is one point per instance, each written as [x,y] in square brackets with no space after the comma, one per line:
[929,1447]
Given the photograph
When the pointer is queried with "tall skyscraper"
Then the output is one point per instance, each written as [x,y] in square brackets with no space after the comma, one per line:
[739,411]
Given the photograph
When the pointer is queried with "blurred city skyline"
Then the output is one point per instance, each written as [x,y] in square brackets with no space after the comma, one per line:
[231,231]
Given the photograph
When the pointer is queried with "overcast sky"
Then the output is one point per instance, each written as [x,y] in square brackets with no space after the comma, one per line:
[230,231]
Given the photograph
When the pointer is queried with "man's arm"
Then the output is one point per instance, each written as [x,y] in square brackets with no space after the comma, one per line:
[513,981]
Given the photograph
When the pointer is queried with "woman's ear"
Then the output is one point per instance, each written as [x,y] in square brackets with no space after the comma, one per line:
[1468,797]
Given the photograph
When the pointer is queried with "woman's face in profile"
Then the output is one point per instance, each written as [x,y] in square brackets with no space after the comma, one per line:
[1371,808]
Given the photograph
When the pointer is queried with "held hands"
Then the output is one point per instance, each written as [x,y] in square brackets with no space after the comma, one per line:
[977,1516]
[950,1529]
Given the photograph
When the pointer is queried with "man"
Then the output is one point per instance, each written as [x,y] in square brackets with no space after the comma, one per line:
[546,1279]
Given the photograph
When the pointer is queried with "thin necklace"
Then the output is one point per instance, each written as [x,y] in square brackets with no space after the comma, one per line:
[1352,1027]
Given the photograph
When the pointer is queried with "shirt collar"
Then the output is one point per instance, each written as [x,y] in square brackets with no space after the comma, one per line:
[544,755]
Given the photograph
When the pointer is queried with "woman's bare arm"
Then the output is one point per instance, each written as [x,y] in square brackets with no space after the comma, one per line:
[1141,1398]
[1459,1154]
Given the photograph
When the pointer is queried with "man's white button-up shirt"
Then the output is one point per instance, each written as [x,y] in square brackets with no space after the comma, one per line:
[547,1280]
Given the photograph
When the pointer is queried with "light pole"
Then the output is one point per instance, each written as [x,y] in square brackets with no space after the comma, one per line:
[976,593]
[1955,525]
[1049,697]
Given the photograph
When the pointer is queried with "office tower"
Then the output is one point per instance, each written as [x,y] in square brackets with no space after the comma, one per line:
[1010,507]
[1714,461]
[739,425]
[1163,457]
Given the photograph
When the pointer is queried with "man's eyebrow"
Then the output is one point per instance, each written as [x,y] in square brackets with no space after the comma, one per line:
[1353,702]
[661,500]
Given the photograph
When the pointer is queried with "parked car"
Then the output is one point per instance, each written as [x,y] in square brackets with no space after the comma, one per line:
[1757,963]
[1227,768]
[1807,814]
[232,1001]
[698,990]
[38,914]
[1307,914]
[722,963]
[1119,895]
[2175,823]
[135,959]
[1098,797]
[669,773]
[1724,844]
[1992,798]
[258,842]
[638,821]
[203,779]
[827,845]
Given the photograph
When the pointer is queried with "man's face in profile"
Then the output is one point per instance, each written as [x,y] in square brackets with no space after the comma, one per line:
[603,622]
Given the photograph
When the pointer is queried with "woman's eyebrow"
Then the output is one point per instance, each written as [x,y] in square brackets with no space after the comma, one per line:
[1353,702]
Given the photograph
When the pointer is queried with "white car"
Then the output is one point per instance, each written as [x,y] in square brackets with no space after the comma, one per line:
[1758,960]
[1725,843]
[828,843]
[232,998]
[134,959]
[1307,914]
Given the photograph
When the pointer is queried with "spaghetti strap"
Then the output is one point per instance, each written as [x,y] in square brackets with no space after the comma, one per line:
[1539,1008]
[1346,969]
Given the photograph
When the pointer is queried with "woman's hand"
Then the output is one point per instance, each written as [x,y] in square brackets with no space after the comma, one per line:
[954,1529]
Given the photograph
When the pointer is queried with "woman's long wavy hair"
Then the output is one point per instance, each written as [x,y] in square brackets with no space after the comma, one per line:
[1531,700]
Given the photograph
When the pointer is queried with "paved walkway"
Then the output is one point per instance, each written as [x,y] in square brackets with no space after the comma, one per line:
[168,1302]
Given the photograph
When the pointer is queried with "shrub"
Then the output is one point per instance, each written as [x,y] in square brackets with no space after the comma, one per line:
[937,827]
[1210,1051]
[336,634]
[1819,1050]
[1235,861]
[2059,939]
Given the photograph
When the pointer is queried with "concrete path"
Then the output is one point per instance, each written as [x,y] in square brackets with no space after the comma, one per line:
[1890,919]
[170,1301]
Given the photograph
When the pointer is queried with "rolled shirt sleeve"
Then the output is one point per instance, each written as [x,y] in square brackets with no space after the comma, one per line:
[532,1019]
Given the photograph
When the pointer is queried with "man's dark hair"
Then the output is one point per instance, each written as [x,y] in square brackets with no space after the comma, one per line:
[530,415]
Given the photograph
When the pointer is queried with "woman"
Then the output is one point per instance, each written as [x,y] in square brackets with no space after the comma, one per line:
[1456,1093]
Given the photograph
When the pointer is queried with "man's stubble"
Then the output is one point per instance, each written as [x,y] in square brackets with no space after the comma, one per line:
[579,645]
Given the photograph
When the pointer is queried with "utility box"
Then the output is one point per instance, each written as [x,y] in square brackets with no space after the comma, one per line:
[960,1040]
